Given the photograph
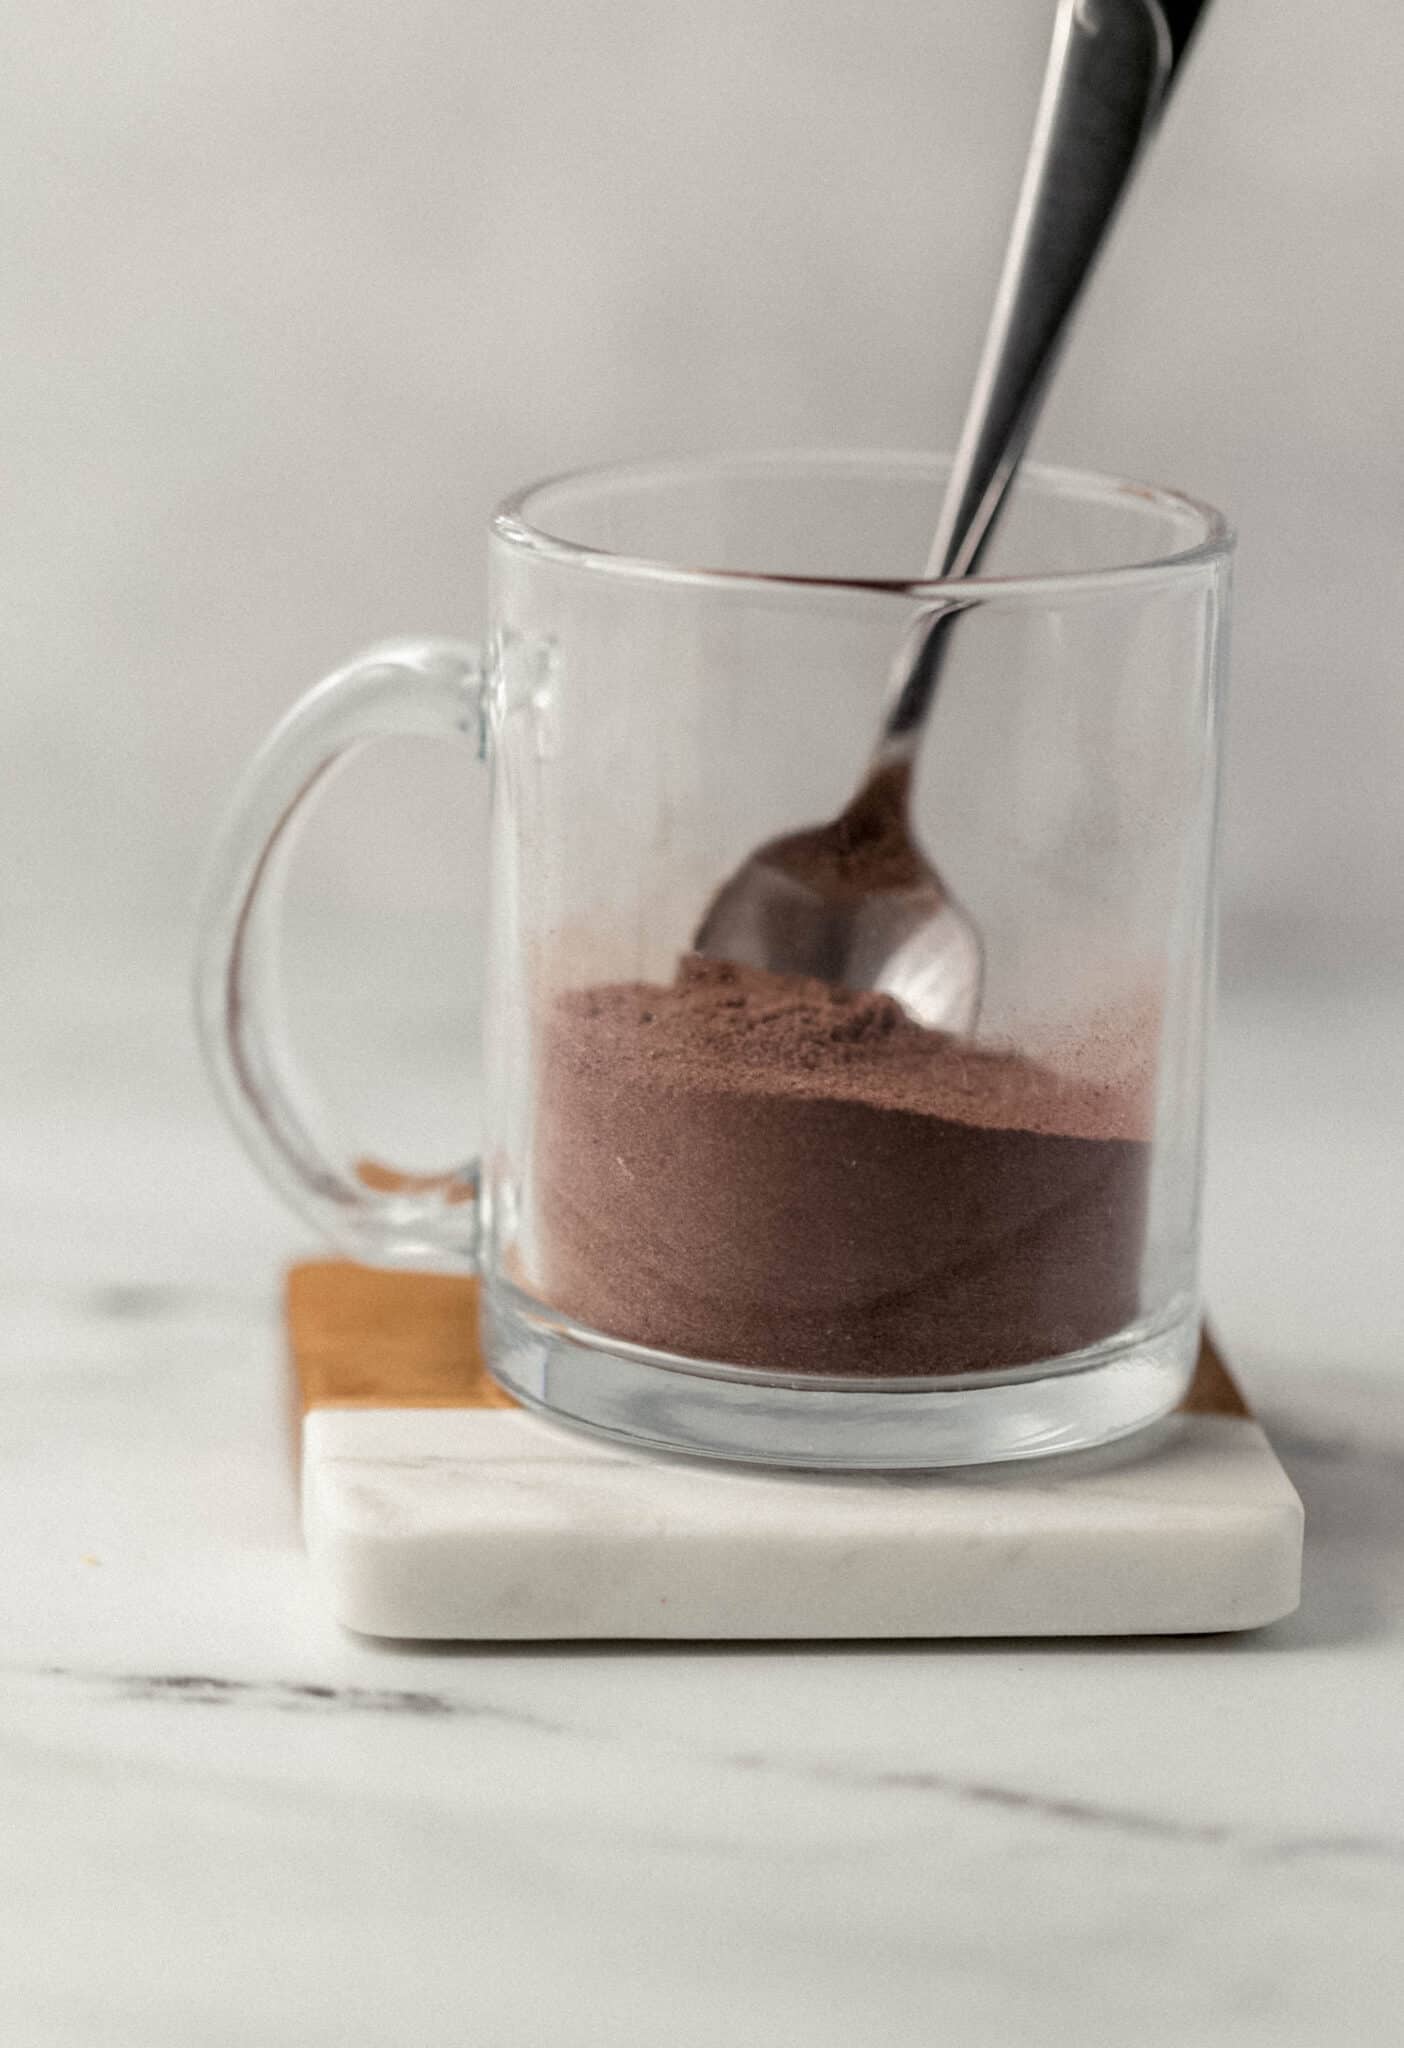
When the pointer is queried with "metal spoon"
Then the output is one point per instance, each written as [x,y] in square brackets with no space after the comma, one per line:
[856,901]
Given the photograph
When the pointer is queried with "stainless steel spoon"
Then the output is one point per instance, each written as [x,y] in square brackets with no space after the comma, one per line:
[856,901]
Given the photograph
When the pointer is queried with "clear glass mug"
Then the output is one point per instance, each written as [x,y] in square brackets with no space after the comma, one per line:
[779,1222]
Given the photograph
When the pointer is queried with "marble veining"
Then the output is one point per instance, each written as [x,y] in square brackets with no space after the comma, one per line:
[1087,1813]
[203,1689]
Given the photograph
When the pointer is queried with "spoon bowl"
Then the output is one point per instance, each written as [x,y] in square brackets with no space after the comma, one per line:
[857,903]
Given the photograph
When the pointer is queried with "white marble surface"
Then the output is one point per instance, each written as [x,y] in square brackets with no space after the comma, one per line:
[223,1821]
[474,1526]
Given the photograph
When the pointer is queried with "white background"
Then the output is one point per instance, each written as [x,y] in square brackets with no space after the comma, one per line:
[293,294]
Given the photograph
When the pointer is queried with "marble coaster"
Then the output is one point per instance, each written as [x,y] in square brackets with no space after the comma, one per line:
[435,1507]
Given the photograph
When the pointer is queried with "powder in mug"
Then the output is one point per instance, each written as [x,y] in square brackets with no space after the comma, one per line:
[778,1173]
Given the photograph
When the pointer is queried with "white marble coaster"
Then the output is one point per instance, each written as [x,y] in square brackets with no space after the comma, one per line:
[493,1525]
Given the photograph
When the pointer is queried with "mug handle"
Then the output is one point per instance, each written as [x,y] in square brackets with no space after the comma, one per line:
[425,687]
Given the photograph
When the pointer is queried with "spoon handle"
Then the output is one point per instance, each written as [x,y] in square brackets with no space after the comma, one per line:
[1110,69]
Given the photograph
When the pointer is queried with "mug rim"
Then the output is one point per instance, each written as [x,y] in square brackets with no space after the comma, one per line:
[516,523]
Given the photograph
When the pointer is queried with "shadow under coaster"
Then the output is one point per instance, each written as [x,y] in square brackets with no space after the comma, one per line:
[434,1507]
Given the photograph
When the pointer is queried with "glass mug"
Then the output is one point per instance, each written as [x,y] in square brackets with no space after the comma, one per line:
[768,1219]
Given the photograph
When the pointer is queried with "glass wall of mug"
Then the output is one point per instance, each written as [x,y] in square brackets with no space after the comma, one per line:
[732,1204]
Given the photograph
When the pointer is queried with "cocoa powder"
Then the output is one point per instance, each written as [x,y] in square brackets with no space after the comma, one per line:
[778,1173]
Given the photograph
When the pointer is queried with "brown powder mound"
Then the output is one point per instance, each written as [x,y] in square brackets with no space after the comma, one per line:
[776,1173]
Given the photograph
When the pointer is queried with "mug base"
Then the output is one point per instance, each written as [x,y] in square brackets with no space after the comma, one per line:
[660,1401]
